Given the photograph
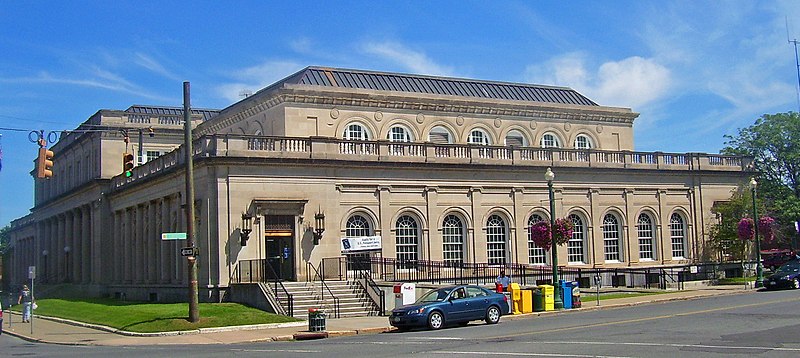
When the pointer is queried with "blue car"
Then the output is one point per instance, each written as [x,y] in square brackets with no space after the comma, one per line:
[451,305]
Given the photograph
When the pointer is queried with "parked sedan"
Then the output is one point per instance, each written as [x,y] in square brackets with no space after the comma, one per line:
[787,275]
[452,304]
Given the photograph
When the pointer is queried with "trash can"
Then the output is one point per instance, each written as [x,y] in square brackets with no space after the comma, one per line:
[576,295]
[566,293]
[316,320]
[538,300]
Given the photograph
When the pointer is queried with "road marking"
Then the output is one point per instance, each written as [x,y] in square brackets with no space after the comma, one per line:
[442,338]
[493,353]
[277,350]
[644,319]
[677,345]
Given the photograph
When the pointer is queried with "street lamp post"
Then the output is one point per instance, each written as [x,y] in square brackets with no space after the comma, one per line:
[759,267]
[557,302]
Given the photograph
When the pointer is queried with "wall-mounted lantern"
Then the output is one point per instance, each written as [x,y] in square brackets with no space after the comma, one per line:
[247,228]
[319,221]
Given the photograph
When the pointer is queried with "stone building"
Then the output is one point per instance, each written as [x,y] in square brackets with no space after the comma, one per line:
[409,167]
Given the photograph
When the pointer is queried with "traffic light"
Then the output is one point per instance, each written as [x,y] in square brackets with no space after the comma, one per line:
[44,165]
[127,163]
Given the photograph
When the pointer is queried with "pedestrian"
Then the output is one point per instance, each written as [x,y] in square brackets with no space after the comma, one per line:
[503,280]
[26,299]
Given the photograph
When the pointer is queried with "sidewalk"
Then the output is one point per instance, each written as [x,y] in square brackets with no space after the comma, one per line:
[60,331]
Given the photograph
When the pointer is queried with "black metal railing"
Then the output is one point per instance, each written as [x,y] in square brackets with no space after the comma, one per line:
[440,272]
[310,278]
[260,271]
[373,292]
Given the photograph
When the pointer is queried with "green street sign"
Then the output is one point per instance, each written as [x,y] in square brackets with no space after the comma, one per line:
[173,236]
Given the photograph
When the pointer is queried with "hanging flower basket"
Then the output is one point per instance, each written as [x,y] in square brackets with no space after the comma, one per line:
[746,229]
[765,225]
[540,234]
[562,232]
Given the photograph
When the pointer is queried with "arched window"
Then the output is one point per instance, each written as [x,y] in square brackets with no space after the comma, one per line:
[440,135]
[677,233]
[516,138]
[576,243]
[407,241]
[453,240]
[355,131]
[400,133]
[611,238]
[644,229]
[550,140]
[357,226]
[478,136]
[583,141]
[536,255]
[496,240]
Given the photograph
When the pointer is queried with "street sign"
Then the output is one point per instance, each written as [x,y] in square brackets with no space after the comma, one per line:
[173,236]
[189,251]
[31,272]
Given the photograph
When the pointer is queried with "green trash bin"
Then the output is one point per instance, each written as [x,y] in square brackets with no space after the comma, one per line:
[538,300]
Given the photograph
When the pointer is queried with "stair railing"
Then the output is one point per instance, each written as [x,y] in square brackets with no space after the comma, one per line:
[259,270]
[373,291]
[310,278]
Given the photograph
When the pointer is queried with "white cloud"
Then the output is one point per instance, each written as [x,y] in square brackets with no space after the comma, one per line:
[153,66]
[632,82]
[254,78]
[413,61]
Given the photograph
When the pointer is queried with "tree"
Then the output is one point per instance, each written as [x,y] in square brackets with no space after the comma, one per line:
[774,143]
[723,235]
[5,239]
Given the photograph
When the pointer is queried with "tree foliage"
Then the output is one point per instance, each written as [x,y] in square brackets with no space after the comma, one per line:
[5,239]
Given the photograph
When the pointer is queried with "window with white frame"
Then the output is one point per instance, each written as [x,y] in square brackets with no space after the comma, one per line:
[644,229]
[153,154]
[400,133]
[611,238]
[407,241]
[478,136]
[496,240]
[576,242]
[677,233]
[550,140]
[355,131]
[583,141]
[453,240]
[357,226]
[536,254]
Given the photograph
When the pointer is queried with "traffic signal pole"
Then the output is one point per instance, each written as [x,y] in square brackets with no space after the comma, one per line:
[194,313]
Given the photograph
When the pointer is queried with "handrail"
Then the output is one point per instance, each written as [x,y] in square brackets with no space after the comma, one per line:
[336,302]
[259,275]
[367,284]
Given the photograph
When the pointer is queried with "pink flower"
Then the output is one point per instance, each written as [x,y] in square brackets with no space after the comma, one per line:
[765,228]
[746,229]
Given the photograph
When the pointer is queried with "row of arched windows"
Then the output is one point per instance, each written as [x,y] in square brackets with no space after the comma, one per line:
[442,135]
[408,232]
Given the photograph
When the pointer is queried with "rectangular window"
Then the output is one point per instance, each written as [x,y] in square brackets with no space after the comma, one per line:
[153,154]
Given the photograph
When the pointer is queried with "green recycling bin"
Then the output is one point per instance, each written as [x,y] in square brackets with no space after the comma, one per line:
[538,300]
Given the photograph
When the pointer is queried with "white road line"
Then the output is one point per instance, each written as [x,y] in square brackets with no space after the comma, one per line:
[677,345]
[525,354]
[440,338]
[277,350]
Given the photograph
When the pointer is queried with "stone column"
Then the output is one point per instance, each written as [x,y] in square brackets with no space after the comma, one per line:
[86,244]
[477,238]
[629,232]
[138,247]
[594,255]
[77,245]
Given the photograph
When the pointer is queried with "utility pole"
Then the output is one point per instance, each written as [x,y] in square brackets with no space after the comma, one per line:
[194,313]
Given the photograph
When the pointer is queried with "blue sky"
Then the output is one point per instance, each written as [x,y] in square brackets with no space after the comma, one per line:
[695,70]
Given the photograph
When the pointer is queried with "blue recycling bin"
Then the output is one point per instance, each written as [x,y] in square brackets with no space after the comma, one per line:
[566,293]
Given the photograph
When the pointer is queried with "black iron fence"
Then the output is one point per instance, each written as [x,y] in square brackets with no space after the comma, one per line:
[438,272]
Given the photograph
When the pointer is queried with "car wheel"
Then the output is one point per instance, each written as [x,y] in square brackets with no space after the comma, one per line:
[492,315]
[796,283]
[435,320]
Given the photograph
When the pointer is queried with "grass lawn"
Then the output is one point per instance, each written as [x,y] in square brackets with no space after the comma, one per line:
[153,317]
[737,280]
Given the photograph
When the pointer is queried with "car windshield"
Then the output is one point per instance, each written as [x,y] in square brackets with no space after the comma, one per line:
[789,268]
[435,295]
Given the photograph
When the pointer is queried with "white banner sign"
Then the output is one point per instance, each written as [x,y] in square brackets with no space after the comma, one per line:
[350,244]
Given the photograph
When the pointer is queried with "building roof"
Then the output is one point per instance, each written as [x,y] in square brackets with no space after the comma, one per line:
[161,111]
[386,81]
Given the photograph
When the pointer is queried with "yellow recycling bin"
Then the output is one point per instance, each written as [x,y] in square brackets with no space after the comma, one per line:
[516,298]
[527,301]
[549,297]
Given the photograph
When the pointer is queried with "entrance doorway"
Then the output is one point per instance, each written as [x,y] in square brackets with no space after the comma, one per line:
[279,242]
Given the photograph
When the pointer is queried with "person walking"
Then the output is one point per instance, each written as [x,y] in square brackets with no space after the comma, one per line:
[26,299]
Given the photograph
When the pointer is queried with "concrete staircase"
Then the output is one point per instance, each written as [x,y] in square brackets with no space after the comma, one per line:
[353,301]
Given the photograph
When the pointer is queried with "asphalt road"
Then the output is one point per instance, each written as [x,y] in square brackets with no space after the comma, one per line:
[763,324]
